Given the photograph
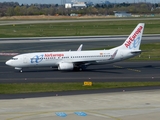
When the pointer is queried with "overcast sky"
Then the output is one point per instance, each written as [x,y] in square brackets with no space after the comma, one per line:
[59,1]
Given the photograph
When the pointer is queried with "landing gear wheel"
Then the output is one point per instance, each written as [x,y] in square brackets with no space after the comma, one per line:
[79,68]
[82,68]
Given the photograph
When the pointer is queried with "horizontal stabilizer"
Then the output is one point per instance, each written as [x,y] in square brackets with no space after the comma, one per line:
[137,51]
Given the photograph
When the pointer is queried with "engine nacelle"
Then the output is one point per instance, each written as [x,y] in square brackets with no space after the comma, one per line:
[65,66]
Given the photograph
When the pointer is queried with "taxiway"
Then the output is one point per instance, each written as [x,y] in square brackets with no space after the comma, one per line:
[117,72]
[139,105]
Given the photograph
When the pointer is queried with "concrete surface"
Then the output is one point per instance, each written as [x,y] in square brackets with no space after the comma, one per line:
[139,105]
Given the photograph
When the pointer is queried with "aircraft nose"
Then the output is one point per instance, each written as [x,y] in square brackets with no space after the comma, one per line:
[8,62]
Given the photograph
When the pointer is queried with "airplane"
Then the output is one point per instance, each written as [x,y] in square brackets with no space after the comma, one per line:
[79,60]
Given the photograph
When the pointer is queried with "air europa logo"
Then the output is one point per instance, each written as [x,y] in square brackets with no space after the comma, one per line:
[132,38]
[37,59]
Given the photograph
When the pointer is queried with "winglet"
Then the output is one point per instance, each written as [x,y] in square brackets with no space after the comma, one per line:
[80,47]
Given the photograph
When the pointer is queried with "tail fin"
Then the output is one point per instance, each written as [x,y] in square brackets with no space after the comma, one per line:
[134,40]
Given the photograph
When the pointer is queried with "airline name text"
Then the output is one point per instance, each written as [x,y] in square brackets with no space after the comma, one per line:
[131,38]
[53,55]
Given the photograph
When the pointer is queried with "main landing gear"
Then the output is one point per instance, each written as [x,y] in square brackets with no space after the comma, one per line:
[80,68]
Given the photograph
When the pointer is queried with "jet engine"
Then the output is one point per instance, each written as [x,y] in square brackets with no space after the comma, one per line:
[65,66]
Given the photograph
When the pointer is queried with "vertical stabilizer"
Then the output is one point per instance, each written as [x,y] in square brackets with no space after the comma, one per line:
[134,40]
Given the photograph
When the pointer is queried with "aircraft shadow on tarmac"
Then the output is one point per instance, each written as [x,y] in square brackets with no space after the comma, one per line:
[88,70]
[146,67]
[104,70]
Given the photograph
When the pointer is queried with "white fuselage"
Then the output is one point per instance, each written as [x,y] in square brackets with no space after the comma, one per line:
[54,58]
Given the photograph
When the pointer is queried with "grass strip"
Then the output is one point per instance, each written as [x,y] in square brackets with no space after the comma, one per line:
[53,87]
[78,28]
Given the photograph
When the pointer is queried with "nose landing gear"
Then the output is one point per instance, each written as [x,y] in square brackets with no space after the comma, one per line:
[21,71]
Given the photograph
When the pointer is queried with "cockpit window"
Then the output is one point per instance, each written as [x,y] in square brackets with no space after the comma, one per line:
[14,58]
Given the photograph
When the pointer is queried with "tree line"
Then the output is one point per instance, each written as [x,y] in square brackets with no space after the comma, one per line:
[15,9]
